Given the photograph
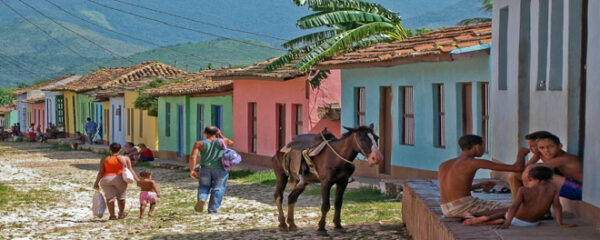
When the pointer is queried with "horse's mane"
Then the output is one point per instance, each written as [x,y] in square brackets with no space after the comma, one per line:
[349,133]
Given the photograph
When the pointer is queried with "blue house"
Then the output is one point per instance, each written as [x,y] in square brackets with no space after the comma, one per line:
[422,93]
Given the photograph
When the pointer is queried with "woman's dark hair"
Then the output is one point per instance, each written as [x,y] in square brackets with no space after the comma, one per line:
[130,144]
[467,142]
[211,130]
[541,173]
[115,147]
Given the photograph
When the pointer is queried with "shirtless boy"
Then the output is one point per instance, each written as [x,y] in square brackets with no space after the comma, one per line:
[517,179]
[568,164]
[456,178]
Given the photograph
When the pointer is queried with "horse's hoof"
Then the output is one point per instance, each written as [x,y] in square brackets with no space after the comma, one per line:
[293,228]
[340,229]
[322,233]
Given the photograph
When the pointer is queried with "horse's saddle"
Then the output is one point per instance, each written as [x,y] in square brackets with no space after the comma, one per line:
[298,153]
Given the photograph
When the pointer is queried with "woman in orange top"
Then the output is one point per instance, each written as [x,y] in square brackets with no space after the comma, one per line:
[113,185]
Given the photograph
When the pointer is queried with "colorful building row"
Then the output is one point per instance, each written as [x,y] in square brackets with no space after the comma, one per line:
[421,93]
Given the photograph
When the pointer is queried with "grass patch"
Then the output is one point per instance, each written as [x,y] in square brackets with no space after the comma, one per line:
[61,147]
[372,212]
[363,194]
[247,176]
[11,195]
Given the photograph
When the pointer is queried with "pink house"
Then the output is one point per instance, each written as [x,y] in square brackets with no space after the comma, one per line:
[271,108]
[36,113]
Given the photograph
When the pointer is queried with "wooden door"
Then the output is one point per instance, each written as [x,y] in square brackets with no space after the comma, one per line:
[280,125]
[386,131]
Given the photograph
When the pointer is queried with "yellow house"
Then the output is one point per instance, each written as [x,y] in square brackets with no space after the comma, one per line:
[141,127]
[70,101]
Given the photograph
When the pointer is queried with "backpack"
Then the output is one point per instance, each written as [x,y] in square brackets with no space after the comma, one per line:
[230,157]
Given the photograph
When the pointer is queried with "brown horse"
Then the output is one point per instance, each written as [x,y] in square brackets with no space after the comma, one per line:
[334,165]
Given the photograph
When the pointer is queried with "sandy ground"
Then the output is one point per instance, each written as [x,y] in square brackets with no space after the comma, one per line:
[59,189]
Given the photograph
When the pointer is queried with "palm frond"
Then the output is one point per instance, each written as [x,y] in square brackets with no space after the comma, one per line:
[341,42]
[346,26]
[399,33]
[364,6]
[310,39]
[379,38]
[316,77]
[290,56]
[344,16]
[473,21]
[486,5]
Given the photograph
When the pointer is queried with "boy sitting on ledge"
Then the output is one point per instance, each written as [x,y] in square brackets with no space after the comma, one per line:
[456,179]
[530,205]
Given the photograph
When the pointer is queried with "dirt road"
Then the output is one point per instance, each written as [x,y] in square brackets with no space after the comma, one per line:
[52,189]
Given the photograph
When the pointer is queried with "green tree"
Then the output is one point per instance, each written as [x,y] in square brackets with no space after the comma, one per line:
[351,24]
[150,103]
[5,97]
[486,6]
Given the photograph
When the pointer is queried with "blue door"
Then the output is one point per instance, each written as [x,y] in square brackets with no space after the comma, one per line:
[99,118]
[180,129]
[217,116]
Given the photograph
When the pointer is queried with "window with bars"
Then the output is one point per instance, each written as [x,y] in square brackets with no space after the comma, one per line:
[485,114]
[467,110]
[408,116]
[199,121]
[298,124]
[252,127]
[439,115]
[360,106]
[168,119]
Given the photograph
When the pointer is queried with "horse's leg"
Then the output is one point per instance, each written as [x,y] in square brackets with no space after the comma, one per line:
[340,188]
[325,206]
[292,198]
[282,180]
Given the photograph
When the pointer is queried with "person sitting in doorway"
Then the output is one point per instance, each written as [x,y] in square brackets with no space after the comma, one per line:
[79,139]
[518,179]
[31,133]
[456,179]
[131,151]
[145,153]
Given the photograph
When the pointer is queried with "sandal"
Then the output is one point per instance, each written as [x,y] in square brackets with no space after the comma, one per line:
[112,218]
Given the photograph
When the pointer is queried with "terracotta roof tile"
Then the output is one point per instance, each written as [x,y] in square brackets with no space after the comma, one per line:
[7,108]
[431,46]
[40,85]
[115,77]
[194,84]
[257,71]
[35,100]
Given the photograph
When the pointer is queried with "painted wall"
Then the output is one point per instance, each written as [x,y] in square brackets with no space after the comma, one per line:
[14,118]
[85,109]
[117,121]
[38,116]
[50,108]
[591,160]
[266,95]
[22,109]
[71,118]
[99,118]
[190,129]
[423,154]
[147,126]
[106,122]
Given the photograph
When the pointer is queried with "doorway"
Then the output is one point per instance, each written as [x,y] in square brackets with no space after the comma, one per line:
[385,129]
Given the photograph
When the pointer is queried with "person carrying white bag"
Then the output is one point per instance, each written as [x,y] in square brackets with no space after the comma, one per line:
[114,173]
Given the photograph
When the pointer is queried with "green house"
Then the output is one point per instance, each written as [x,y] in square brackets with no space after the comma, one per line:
[186,108]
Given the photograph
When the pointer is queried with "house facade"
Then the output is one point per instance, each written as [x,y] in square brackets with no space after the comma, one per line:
[271,108]
[186,108]
[422,94]
[80,102]
[544,70]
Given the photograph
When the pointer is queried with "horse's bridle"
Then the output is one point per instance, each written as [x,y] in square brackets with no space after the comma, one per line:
[338,155]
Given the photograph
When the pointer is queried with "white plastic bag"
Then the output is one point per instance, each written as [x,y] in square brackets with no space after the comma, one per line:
[98,204]
[128,176]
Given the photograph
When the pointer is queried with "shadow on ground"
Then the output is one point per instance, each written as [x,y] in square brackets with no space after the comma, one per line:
[366,231]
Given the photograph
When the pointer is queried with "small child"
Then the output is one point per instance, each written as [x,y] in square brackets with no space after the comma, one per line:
[530,205]
[149,192]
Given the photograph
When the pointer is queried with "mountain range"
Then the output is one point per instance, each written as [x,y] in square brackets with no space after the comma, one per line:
[27,54]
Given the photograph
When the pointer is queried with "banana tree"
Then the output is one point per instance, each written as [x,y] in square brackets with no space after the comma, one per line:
[351,24]
[486,6]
